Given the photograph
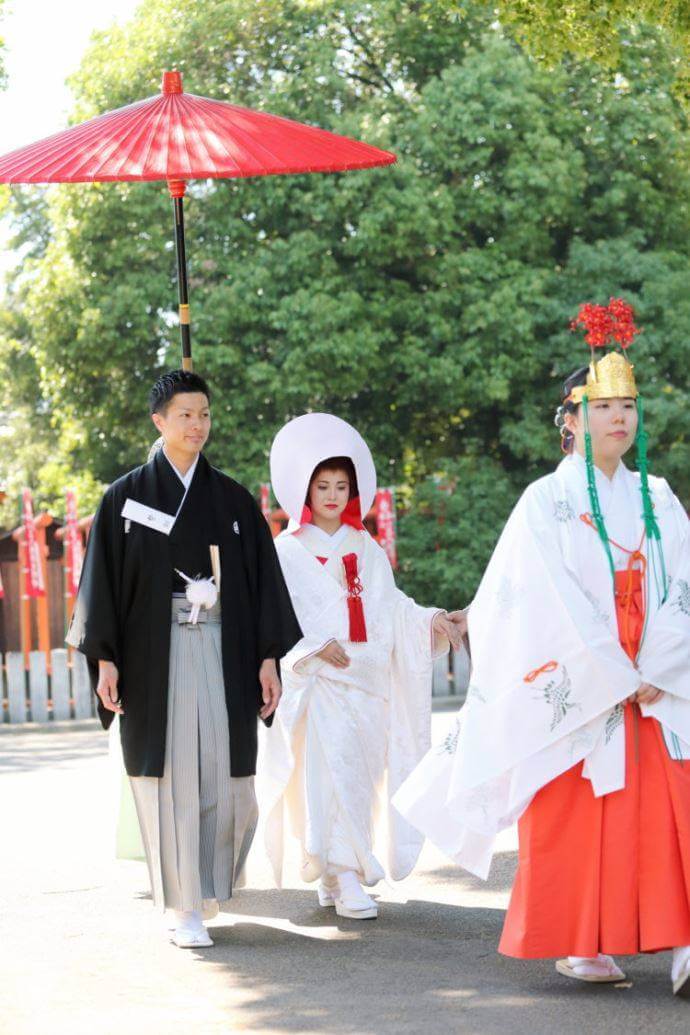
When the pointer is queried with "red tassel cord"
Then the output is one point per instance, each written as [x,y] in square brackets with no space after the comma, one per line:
[358,629]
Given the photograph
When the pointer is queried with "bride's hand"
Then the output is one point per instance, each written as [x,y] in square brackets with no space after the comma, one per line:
[334,654]
[453,626]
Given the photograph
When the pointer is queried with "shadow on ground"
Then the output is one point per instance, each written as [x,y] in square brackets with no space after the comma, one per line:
[81,949]
[421,967]
[502,875]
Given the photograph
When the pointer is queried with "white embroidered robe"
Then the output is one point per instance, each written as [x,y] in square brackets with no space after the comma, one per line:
[545,610]
[343,740]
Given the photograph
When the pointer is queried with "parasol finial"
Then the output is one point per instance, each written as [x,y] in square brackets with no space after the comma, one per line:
[172,82]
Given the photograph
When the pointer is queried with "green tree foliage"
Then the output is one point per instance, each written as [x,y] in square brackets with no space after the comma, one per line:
[449,529]
[3,45]
[595,29]
[427,302]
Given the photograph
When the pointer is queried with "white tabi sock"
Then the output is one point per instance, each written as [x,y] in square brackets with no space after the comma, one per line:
[595,965]
[190,932]
[352,892]
[189,919]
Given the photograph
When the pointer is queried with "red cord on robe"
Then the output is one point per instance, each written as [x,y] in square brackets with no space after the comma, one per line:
[358,628]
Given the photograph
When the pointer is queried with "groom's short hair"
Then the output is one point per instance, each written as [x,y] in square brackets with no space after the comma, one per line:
[174,383]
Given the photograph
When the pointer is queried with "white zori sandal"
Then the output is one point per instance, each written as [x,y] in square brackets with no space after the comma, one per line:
[190,932]
[351,900]
[599,969]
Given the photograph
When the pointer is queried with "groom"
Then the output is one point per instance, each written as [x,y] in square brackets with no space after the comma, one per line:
[183,615]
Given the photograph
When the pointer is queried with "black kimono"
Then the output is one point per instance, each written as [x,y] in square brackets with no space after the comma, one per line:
[123,610]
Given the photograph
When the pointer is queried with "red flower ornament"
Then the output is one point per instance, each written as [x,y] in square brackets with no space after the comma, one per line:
[606,324]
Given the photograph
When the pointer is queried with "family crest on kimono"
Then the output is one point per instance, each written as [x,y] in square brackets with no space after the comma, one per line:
[355,717]
[183,613]
[579,727]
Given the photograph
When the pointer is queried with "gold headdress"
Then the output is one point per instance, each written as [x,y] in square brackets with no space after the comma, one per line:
[611,377]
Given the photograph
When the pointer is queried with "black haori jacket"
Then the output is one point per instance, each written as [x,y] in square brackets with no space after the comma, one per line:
[123,609]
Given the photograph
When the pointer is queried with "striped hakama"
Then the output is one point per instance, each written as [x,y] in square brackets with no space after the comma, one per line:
[197,822]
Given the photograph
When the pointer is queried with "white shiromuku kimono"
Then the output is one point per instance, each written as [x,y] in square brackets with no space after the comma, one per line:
[549,674]
[343,739]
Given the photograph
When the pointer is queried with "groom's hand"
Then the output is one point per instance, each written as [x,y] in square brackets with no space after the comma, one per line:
[107,687]
[271,689]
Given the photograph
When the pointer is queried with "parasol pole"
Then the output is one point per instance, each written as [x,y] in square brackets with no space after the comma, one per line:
[172,84]
[177,189]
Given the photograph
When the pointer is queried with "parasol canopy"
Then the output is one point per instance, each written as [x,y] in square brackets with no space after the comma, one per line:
[177,136]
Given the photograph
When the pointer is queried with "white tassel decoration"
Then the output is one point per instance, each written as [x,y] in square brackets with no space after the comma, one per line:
[200,593]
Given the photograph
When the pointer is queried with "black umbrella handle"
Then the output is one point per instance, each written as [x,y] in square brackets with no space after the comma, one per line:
[182,290]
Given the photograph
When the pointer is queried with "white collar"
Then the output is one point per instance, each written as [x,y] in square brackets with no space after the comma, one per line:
[333,540]
[618,474]
[186,479]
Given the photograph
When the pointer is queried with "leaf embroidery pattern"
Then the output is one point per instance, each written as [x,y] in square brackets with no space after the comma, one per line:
[449,745]
[579,744]
[614,720]
[475,693]
[479,799]
[682,604]
[600,615]
[507,595]
[563,511]
[557,694]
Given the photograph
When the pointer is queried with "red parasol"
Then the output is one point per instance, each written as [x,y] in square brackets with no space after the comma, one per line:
[177,136]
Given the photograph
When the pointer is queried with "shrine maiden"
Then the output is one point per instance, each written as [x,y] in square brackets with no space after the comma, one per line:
[579,726]
[355,714]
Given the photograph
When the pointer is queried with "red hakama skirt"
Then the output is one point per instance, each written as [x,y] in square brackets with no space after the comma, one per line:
[609,874]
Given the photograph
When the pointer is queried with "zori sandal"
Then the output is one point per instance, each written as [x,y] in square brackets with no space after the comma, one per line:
[600,970]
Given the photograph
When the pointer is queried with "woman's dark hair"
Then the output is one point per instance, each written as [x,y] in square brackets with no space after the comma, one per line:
[175,383]
[336,463]
[578,377]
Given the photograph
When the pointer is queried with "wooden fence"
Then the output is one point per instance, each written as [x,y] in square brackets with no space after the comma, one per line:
[34,695]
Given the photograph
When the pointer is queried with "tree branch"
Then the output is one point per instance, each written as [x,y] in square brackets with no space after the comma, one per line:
[370,59]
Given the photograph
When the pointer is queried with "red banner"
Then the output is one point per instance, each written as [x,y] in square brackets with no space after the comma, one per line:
[385,523]
[2,588]
[266,500]
[33,573]
[75,546]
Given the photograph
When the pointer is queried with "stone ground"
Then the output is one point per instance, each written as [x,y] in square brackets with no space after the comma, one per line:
[81,950]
